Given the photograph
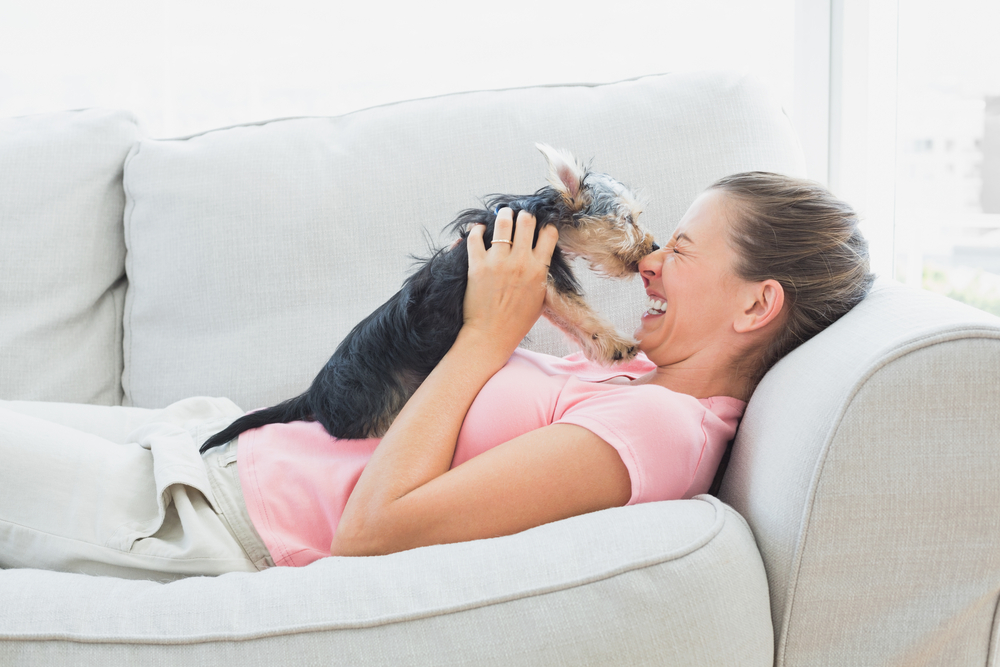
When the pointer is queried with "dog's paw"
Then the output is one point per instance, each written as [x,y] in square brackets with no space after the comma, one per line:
[609,348]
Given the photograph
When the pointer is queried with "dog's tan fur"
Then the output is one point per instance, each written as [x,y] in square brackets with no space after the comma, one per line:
[612,250]
[611,242]
[597,337]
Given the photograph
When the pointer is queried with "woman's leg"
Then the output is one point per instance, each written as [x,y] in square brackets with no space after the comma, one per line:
[111,422]
[74,501]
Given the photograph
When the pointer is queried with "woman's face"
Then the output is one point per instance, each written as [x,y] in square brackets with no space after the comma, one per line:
[691,285]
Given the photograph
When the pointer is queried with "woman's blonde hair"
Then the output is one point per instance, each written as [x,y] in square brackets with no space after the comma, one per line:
[796,232]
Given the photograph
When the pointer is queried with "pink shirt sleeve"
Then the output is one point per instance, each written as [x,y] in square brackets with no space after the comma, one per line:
[670,443]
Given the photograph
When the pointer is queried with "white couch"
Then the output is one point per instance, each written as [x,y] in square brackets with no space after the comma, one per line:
[138,271]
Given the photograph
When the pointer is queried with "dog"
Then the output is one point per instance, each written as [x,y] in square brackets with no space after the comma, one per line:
[383,360]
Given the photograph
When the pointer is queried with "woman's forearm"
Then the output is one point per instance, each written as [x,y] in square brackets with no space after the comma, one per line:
[503,299]
[420,444]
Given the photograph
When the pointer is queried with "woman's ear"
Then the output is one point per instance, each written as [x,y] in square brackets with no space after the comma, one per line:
[762,304]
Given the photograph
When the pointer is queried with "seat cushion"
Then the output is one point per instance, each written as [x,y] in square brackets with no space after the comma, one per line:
[670,583]
[63,255]
[253,250]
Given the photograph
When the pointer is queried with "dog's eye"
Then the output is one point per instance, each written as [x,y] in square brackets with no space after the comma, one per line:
[628,219]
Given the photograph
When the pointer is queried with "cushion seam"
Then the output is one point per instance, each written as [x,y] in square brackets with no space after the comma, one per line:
[463,93]
[130,285]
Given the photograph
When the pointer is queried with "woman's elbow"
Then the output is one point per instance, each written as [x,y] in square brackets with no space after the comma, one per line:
[346,548]
[363,538]
[377,531]
[350,541]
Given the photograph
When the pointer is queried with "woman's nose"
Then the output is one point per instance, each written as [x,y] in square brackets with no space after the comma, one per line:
[649,266]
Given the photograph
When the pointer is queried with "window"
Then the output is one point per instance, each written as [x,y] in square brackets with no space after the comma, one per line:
[948,150]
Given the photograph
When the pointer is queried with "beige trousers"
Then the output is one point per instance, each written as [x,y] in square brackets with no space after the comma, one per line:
[123,492]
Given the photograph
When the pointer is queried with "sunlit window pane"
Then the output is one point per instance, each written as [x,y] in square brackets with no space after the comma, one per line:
[948,150]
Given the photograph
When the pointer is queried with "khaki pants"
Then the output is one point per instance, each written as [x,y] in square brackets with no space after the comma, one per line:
[123,492]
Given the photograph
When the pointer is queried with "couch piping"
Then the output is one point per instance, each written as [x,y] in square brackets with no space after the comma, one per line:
[421,99]
[129,285]
[993,648]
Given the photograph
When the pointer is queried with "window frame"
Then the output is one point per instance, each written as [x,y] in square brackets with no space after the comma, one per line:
[845,108]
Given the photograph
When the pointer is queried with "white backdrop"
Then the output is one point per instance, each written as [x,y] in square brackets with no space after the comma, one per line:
[189,65]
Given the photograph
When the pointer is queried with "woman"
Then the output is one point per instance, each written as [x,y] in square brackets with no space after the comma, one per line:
[497,439]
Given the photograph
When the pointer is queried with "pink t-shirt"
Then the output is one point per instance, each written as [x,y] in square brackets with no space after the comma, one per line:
[296,478]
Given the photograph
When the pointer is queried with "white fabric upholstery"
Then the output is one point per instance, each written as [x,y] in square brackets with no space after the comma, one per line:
[253,250]
[62,255]
[676,583]
[867,466]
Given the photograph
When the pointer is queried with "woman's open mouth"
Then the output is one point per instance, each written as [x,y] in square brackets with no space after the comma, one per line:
[655,307]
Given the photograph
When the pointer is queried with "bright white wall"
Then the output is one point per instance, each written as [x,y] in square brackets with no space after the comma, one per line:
[189,65]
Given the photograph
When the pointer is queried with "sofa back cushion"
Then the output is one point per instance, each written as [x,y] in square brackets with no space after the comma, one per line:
[253,250]
[62,255]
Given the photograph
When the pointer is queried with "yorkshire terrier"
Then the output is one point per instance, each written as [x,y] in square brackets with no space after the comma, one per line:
[383,360]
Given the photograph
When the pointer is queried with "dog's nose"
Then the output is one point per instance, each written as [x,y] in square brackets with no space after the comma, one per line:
[655,247]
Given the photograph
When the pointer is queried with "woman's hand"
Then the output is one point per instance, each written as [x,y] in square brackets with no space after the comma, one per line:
[507,283]
[387,510]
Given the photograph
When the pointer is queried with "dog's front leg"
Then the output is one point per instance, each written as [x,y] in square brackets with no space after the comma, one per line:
[598,337]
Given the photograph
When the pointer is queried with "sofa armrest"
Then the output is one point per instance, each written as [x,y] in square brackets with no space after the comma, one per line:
[677,582]
[867,466]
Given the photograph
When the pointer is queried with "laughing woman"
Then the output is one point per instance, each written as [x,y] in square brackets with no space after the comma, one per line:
[496,440]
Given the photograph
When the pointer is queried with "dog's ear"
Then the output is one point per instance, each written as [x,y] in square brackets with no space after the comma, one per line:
[566,175]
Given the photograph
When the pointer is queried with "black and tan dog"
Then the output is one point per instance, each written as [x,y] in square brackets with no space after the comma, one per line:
[383,360]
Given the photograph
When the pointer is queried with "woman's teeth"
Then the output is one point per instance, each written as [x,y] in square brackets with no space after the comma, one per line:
[656,307]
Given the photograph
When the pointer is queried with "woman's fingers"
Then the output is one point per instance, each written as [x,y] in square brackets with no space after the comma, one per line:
[525,231]
[503,230]
[475,244]
[546,245]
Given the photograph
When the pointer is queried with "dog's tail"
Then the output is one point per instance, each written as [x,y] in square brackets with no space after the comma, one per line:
[294,409]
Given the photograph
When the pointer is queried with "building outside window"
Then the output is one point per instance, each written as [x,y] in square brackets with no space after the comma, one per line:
[947,234]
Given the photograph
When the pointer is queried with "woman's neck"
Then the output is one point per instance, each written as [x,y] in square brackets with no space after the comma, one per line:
[697,382]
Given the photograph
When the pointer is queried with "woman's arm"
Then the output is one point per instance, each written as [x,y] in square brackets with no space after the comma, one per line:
[408,497]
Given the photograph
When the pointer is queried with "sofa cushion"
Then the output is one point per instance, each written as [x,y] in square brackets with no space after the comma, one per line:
[63,255]
[671,583]
[253,250]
